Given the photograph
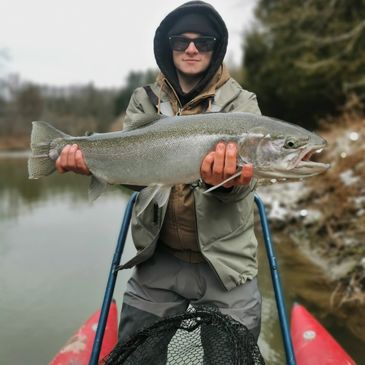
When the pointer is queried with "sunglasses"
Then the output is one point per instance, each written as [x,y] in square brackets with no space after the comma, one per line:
[202,44]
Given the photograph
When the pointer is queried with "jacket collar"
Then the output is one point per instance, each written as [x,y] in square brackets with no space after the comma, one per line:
[194,106]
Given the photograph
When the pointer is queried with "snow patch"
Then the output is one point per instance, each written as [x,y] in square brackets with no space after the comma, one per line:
[348,177]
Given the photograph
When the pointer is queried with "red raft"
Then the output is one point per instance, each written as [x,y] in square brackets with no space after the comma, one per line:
[313,345]
[77,350]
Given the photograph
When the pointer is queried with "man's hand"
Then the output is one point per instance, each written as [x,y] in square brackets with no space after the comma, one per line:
[220,164]
[72,159]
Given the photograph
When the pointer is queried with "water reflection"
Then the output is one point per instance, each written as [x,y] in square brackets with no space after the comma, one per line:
[18,193]
[55,253]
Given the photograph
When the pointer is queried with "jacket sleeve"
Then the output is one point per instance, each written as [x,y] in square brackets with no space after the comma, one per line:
[138,104]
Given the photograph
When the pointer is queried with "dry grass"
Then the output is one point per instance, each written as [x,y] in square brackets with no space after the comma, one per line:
[14,143]
[340,195]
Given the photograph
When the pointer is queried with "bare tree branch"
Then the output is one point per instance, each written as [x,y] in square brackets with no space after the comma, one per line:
[339,38]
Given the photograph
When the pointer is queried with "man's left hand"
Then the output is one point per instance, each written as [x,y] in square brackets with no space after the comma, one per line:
[220,164]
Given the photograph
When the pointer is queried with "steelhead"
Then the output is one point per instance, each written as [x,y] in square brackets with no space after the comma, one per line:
[165,151]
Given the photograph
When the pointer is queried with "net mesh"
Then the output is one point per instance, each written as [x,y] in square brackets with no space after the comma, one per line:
[201,335]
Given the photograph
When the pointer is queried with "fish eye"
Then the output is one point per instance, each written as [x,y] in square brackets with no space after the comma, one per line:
[290,144]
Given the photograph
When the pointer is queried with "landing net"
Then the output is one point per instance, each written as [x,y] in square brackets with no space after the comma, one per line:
[201,335]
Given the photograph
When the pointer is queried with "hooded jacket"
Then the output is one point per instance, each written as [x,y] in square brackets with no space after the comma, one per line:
[216,227]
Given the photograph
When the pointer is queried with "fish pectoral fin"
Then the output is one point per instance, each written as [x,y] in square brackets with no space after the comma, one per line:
[238,173]
[158,193]
[96,188]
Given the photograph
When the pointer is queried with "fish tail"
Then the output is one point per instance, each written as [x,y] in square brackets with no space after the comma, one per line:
[40,163]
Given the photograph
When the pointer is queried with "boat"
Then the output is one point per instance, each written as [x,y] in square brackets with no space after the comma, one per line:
[77,350]
[306,343]
[313,344]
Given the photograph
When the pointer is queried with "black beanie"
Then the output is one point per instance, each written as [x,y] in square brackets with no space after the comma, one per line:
[195,23]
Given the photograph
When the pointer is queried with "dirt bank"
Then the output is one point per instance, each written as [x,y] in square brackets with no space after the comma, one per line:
[324,217]
[14,143]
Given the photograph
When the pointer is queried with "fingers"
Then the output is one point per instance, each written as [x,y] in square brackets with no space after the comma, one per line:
[80,163]
[71,163]
[61,162]
[212,167]
[219,161]
[207,166]
[221,164]
[230,164]
[246,175]
[71,159]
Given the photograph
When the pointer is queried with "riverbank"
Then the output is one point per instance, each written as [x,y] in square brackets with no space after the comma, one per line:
[324,217]
[14,143]
[21,142]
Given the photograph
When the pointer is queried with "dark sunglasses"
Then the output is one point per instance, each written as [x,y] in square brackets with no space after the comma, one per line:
[202,44]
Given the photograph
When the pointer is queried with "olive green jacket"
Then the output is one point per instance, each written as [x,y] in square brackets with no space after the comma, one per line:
[224,219]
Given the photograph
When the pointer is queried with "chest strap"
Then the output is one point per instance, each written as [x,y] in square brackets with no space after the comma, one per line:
[164,106]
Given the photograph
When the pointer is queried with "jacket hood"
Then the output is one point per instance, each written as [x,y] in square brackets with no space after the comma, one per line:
[163,53]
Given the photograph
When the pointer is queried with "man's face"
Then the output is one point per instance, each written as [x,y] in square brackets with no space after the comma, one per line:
[191,62]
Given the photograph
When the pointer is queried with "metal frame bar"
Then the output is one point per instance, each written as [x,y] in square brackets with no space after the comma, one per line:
[275,276]
[99,335]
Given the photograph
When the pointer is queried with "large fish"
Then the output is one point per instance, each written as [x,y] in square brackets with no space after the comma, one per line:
[165,151]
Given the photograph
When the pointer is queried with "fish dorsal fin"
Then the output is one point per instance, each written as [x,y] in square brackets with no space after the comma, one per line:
[158,193]
[143,120]
[96,188]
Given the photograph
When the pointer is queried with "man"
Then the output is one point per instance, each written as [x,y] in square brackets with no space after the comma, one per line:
[199,248]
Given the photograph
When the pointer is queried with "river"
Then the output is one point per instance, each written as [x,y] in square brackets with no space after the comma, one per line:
[55,253]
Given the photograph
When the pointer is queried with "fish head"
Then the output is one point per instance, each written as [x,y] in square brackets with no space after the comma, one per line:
[282,150]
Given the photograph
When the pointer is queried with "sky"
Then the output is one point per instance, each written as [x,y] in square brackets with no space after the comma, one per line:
[73,42]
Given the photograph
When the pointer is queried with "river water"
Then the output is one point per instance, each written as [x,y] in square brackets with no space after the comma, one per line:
[55,253]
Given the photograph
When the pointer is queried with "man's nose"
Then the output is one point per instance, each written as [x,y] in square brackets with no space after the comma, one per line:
[191,48]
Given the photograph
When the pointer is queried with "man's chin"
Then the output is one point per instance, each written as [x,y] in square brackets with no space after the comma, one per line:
[191,73]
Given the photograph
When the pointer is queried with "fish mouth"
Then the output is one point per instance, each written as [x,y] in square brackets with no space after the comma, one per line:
[305,165]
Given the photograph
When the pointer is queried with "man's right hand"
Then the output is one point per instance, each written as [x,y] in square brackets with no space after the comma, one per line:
[72,159]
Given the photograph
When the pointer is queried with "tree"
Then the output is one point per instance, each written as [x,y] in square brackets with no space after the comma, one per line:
[304,61]
[3,57]
[29,102]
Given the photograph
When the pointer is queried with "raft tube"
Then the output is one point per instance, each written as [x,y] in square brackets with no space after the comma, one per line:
[77,350]
[313,345]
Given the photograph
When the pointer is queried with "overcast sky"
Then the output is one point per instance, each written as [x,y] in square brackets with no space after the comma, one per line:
[81,41]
